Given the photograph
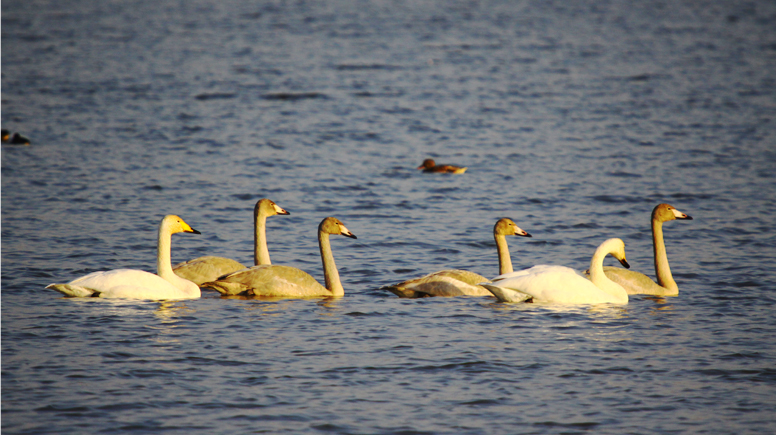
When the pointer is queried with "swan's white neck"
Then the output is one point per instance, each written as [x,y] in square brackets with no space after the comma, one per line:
[163,263]
[260,250]
[504,260]
[599,278]
[662,269]
[330,273]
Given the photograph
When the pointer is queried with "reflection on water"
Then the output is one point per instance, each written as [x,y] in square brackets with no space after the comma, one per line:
[169,327]
[169,311]
[606,311]
[661,303]
[331,305]
[278,306]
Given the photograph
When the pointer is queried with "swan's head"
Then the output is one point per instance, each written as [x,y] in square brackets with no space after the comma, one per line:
[267,207]
[427,164]
[332,225]
[177,225]
[506,227]
[666,212]
[616,248]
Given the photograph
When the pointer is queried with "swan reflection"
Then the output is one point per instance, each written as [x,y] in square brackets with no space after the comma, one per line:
[168,311]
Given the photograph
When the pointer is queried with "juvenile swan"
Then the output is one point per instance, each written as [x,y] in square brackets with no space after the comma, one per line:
[208,268]
[638,283]
[138,284]
[454,282]
[562,284]
[288,282]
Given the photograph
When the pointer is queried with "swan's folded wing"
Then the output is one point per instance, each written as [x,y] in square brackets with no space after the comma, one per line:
[105,280]
[403,292]
[207,268]
[505,294]
[226,288]
[72,290]
[532,271]
[464,276]
[636,283]
[450,282]
[447,286]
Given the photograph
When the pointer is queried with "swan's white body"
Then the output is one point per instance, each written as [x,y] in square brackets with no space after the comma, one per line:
[209,268]
[638,283]
[456,282]
[285,281]
[138,284]
[560,284]
[126,284]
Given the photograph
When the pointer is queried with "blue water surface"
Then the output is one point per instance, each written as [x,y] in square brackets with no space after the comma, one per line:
[573,118]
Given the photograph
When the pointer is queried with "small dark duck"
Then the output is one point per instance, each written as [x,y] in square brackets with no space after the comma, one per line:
[15,139]
[430,166]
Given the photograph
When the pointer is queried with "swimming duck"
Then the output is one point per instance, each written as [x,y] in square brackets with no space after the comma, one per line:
[429,165]
[15,139]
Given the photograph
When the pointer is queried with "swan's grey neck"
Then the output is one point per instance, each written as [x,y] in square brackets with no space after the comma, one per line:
[260,251]
[662,269]
[504,260]
[599,278]
[330,273]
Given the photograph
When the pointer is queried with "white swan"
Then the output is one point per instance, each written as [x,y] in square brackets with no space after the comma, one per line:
[456,282]
[562,284]
[638,283]
[208,268]
[288,282]
[138,284]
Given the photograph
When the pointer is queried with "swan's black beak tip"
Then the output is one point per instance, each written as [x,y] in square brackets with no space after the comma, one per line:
[624,263]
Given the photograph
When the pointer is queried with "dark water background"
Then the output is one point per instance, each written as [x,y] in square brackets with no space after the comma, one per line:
[574,119]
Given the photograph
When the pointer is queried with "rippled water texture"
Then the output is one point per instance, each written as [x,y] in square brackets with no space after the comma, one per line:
[574,119]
